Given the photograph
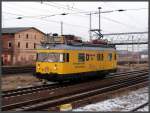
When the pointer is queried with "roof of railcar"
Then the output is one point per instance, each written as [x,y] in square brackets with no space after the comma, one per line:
[76,47]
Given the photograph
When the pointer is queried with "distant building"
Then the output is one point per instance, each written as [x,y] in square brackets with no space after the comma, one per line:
[19,44]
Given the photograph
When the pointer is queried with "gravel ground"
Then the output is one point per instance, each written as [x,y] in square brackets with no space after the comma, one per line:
[125,102]
[126,67]
[15,81]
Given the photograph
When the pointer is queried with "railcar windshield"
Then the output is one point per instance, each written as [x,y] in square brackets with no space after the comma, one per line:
[50,57]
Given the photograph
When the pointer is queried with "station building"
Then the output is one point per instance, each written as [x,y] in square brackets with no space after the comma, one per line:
[19,45]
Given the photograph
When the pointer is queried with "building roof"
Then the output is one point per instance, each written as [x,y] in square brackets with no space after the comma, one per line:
[18,29]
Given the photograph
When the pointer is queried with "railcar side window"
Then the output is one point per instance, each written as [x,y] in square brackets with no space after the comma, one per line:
[98,57]
[101,57]
[81,57]
[87,57]
[66,57]
[110,56]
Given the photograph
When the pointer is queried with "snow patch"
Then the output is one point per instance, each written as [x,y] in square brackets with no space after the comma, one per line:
[125,102]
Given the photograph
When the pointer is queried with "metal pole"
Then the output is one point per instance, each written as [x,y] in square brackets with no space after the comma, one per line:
[132,52]
[61,28]
[132,45]
[3,22]
[138,46]
[128,53]
[99,23]
[90,27]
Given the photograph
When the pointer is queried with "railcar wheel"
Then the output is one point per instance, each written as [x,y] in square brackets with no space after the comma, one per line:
[43,81]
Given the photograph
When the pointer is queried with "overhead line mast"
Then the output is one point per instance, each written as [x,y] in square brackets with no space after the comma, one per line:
[99,29]
[99,23]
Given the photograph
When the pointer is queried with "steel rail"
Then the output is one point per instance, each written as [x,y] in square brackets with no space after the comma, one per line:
[7,107]
[27,90]
[139,107]
[75,97]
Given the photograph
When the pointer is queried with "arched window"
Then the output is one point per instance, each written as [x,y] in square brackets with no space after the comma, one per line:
[26,45]
[27,36]
[18,44]
[34,45]
[9,44]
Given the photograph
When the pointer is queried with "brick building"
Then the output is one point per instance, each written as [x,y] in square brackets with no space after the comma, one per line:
[19,44]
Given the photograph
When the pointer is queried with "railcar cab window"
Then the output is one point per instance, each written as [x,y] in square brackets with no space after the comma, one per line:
[110,56]
[81,57]
[50,57]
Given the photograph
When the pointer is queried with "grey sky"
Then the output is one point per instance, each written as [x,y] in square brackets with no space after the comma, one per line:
[77,24]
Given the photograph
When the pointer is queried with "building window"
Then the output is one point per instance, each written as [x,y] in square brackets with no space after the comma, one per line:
[26,45]
[27,36]
[110,56]
[9,44]
[18,44]
[81,57]
[34,45]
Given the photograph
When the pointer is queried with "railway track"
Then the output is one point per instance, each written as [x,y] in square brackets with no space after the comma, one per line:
[16,70]
[27,90]
[38,101]
[83,99]
[140,107]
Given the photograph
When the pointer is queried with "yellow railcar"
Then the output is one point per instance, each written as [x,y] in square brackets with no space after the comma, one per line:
[61,61]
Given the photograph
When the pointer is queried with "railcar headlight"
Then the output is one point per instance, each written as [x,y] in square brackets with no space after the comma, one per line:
[38,66]
[55,67]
